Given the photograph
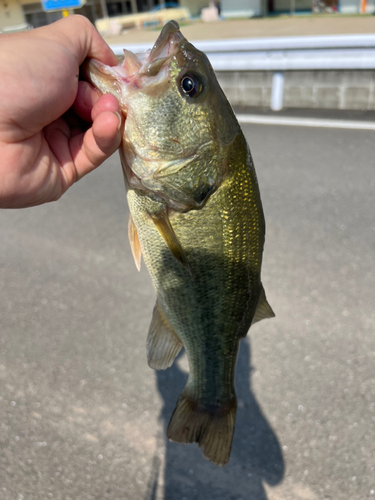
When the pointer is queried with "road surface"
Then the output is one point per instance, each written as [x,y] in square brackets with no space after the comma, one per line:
[82,416]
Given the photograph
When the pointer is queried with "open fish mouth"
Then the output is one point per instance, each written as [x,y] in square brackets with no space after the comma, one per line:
[136,69]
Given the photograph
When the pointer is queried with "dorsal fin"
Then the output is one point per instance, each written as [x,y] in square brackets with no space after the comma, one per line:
[263,310]
[163,225]
[134,243]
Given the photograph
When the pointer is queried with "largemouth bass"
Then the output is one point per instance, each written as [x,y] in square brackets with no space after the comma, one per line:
[197,219]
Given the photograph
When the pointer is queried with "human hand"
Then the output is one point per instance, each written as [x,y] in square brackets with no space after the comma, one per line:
[44,149]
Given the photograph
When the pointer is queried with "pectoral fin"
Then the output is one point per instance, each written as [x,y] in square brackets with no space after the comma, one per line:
[163,225]
[263,309]
[134,243]
[163,345]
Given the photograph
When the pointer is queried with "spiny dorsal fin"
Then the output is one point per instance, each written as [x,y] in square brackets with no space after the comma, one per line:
[163,345]
[263,309]
[134,243]
[163,225]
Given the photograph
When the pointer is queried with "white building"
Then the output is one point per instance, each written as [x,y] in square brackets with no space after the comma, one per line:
[254,8]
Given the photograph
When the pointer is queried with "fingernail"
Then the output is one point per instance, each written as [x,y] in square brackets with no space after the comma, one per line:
[119,120]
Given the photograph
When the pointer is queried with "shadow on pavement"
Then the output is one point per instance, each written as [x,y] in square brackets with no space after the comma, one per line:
[256,454]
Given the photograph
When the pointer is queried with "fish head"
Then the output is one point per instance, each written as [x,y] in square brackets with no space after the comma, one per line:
[178,122]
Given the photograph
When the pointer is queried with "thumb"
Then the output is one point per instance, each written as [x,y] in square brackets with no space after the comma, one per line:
[91,149]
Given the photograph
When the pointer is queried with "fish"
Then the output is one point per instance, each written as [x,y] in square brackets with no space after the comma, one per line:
[196,217]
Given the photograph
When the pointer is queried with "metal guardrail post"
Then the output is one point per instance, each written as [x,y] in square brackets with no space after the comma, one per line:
[277,93]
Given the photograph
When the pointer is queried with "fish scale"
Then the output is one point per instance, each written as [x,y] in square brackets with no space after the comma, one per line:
[197,220]
[222,297]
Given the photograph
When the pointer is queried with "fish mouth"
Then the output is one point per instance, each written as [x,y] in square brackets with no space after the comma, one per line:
[167,43]
[139,70]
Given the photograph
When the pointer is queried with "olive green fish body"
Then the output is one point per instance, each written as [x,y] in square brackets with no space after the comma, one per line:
[197,219]
[211,310]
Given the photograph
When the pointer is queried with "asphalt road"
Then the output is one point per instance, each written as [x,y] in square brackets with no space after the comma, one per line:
[83,417]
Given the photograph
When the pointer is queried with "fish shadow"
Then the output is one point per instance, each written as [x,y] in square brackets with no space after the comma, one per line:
[256,454]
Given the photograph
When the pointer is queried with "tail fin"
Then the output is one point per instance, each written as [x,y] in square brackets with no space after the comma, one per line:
[211,428]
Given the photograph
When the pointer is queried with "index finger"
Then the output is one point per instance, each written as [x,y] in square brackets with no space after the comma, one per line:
[81,38]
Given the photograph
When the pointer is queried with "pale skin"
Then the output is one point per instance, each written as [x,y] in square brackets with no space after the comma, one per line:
[45,146]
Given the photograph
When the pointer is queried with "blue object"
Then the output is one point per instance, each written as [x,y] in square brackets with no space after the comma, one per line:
[49,5]
[168,5]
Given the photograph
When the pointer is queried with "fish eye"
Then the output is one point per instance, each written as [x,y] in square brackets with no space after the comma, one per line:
[191,85]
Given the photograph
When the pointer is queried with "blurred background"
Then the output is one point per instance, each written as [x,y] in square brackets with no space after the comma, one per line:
[267,54]
[82,416]
[111,15]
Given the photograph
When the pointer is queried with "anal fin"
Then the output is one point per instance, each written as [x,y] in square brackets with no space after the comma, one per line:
[134,243]
[163,345]
[212,428]
[263,310]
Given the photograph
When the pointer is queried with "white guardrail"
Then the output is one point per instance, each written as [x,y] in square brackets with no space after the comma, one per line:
[279,54]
